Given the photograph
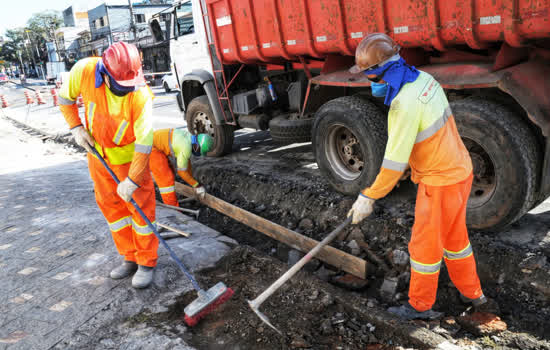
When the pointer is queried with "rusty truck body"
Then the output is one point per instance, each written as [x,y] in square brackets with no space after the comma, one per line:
[283,65]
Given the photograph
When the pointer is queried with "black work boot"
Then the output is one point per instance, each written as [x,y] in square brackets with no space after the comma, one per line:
[407,312]
[126,269]
[475,302]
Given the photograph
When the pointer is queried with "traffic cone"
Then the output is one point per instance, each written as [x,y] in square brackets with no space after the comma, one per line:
[39,98]
[4,101]
[28,96]
[55,97]
[79,101]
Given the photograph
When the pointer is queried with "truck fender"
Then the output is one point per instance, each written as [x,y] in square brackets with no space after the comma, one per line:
[206,81]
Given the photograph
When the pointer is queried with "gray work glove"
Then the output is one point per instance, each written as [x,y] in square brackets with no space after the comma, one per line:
[362,208]
[126,188]
[83,138]
[200,192]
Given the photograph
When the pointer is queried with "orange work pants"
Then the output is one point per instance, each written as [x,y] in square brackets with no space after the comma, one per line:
[164,177]
[133,238]
[439,231]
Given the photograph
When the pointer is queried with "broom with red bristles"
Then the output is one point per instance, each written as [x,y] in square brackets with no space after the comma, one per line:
[207,300]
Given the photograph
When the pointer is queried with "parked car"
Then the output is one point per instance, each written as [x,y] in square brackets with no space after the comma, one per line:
[169,82]
[3,78]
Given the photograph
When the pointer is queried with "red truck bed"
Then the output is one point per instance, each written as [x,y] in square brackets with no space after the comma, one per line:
[267,30]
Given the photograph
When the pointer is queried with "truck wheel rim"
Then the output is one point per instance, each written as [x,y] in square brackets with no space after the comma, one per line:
[343,152]
[202,124]
[484,183]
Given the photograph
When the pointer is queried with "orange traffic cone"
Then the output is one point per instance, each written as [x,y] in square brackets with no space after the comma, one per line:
[4,101]
[39,98]
[79,101]
[55,97]
[28,96]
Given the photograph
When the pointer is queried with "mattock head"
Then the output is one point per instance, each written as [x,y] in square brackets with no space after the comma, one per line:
[263,317]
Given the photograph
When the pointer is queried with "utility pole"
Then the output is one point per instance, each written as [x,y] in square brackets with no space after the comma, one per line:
[32,55]
[132,21]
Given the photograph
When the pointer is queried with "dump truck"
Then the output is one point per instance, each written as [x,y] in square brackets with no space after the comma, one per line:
[283,65]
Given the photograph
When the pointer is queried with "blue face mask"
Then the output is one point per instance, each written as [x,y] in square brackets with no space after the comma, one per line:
[195,145]
[378,89]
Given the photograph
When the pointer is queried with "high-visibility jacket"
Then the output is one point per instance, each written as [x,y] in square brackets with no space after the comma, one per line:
[421,133]
[176,145]
[122,127]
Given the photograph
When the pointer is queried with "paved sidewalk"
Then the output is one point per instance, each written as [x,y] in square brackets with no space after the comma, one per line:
[56,253]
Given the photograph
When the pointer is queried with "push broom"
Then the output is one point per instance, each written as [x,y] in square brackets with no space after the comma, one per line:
[207,300]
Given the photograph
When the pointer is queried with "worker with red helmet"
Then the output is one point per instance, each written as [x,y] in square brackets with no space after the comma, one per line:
[118,123]
[422,135]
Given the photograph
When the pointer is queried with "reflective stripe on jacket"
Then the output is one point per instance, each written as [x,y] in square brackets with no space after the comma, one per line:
[421,133]
[120,126]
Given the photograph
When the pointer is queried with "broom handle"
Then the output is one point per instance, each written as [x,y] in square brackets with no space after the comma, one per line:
[296,267]
[151,226]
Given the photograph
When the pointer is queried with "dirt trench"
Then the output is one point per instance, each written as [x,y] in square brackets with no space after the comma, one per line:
[305,203]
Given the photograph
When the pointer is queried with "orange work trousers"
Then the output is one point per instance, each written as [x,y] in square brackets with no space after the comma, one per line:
[164,177]
[439,231]
[133,238]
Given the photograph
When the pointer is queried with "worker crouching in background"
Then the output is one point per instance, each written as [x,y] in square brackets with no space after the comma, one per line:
[172,149]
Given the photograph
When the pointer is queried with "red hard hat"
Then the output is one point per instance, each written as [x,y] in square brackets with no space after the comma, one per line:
[124,64]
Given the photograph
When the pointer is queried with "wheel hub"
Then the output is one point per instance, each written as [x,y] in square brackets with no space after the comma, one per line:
[484,183]
[344,152]
[202,124]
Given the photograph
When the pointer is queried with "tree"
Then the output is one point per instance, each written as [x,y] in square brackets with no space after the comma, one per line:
[42,28]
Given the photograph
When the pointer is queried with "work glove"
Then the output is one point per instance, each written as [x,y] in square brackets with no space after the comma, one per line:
[362,208]
[83,138]
[126,188]
[200,192]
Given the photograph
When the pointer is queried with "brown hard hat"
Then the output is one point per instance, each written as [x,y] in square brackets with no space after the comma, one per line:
[372,50]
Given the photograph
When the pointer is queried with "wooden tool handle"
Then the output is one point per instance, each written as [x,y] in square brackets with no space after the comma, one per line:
[173,229]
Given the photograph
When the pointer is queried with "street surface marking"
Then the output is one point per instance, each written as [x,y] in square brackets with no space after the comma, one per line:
[63,253]
[27,271]
[32,250]
[62,305]
[35,233]
[18,206]
[61,276]
[13,337]
[5,246]
[96,281]
[63,235]
[40,208]
[21,299]
[96,256]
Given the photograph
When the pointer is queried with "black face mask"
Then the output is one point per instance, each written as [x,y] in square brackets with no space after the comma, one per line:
[120,91]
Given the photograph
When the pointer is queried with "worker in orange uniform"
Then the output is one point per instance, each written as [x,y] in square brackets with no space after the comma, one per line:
[422,134]
[118,123]
[172,149]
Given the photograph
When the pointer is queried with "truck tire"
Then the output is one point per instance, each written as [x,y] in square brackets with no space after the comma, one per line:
[285,130]
[200,119]
[505,156]
[349,138]
[166,87]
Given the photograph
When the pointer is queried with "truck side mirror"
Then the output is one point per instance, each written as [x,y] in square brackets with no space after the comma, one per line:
[156,30]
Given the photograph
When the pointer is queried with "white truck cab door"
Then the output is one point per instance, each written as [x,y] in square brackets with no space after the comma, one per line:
[189,49]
